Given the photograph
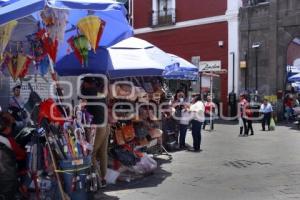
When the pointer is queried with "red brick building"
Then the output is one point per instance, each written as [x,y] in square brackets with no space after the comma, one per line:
[193,29]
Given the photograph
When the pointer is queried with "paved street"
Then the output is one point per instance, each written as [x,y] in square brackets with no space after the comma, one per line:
[264,166]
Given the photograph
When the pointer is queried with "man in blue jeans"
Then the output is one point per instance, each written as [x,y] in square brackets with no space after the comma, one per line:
[266,109]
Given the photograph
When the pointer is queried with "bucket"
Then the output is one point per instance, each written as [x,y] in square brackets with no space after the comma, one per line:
[78,167]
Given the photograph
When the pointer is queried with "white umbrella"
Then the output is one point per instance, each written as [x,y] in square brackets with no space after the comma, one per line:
[137,57]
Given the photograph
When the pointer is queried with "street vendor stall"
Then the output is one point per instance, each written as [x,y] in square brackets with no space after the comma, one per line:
[134,68]
[58,144]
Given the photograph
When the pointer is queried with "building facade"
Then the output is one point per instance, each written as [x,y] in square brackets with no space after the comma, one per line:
[269,42]
[197,30]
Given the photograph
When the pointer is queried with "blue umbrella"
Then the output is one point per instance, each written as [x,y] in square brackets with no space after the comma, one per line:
[294,78]
[113,13]
[183,71]
[128,58]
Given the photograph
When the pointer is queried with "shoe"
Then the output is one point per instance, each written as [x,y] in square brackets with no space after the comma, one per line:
[194,150]
[103,183]
[252,134]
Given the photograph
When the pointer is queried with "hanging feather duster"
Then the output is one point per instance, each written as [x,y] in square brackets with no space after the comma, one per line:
[92,28]
[55,21]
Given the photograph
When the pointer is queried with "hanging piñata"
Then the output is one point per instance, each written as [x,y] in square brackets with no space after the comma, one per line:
[92,28]
[48,43]
[17,65]
[80,46]
[5,34]
[55,21]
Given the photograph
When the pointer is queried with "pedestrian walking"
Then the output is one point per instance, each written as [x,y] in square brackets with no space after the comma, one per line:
[249,117]
[266,110]
[210,108]
[197,111]
[242,118]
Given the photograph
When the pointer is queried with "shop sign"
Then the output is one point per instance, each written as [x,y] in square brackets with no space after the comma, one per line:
[243,64]
[210,66]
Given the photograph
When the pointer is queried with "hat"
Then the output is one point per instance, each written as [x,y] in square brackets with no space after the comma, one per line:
[18,85]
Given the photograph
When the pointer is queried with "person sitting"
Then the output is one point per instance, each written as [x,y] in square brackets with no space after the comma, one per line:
[6,123]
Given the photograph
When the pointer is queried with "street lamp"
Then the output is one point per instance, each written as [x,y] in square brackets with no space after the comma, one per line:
[256,46]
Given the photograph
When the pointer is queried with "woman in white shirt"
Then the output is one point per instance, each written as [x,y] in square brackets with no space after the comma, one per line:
[197,111]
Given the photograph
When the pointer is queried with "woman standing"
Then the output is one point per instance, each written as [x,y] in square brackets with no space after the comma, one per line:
[178,105]
[197,109]
[242,120]
[209,113]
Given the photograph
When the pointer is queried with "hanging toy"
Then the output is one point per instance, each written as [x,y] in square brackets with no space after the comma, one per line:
[92,28]
[18,65]
[5,34]
[80,46]
[48,43]
[44,66]
[55,21]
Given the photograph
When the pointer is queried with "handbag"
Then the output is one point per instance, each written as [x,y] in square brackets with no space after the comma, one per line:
[125,156]
[141,132]
[155,133]
[128,132]
[119,137]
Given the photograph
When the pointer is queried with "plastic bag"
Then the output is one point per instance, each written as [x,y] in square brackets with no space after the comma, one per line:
[112,176]
[146,165]
[272,124]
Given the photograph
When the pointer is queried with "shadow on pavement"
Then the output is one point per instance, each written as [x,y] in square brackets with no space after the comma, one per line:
[103,196]
[290,125]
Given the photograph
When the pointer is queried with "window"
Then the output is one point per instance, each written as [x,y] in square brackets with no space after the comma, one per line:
[163,12]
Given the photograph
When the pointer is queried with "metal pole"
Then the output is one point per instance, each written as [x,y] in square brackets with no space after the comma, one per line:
[200,80]
[233,71]
[256,71]
[211,96]
[246,74]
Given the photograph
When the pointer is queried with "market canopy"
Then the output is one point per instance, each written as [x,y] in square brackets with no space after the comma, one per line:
[294,78]
[111,14]
[130,57]
[183,71]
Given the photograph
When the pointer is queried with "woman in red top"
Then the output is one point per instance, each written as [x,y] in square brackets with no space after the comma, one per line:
[243,121]
[209,110]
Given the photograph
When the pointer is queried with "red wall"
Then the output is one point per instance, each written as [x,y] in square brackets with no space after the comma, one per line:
[195,41]
[185,10]
[195,9]
[142,13]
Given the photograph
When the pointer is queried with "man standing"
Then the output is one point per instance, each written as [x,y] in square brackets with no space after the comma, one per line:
[266,109]
[16,100]
[93,88]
